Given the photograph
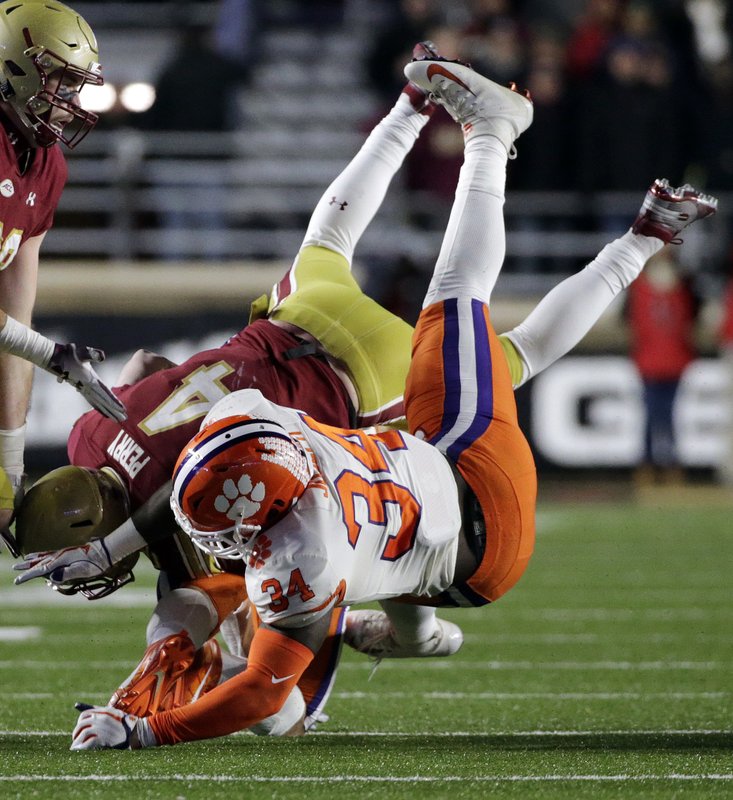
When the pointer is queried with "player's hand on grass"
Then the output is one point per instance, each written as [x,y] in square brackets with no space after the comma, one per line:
[72,363]
[102,728]
[90,560]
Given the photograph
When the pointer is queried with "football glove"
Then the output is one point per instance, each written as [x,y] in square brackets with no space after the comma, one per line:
[102,728]
[71,363]
[69,565]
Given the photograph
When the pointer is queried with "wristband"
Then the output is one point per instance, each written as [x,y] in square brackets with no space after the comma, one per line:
[123,541]
[20,340]
[145,735]
[12,444]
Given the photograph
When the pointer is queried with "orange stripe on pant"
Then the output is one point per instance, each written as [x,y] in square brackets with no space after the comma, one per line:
[493,457]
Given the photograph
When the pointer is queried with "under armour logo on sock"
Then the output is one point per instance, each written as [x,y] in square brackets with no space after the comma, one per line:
[341,205]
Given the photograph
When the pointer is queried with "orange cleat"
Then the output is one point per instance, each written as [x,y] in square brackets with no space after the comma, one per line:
[172,673]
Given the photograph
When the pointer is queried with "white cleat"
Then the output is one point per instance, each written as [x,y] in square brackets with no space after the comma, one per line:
[371,633]
[477,103]
[667,210]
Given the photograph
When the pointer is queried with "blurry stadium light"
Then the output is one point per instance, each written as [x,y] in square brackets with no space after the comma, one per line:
[137,97]
[99,98]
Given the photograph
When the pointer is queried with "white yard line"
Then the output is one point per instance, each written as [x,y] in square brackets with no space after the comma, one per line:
[327,779]
[531,695]
[461,734]
[41,596]
[583,696]
[427,664]
[618,666]
[19,633]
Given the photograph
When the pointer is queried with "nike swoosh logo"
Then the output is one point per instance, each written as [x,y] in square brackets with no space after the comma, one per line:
[280,680]
[439,69]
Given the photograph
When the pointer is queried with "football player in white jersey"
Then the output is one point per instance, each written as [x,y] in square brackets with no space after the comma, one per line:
[327,516]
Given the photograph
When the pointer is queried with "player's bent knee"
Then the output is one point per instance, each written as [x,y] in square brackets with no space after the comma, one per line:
[288,721]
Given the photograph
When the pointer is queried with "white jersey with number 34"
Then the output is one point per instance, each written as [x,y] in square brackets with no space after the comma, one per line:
[380,518]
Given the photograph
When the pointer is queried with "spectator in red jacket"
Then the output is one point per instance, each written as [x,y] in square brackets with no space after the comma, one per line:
[662,311]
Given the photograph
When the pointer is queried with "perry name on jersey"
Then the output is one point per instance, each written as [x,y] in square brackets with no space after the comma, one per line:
[380,518]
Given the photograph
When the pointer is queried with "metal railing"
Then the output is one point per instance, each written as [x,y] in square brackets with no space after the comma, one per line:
[134,196]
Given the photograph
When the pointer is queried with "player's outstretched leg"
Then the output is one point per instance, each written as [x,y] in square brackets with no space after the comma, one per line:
[564,316]
[492,118]
[354,197]
[458,392]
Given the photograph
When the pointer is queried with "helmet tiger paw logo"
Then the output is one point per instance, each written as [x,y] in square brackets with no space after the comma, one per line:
[238,475]
[240,500]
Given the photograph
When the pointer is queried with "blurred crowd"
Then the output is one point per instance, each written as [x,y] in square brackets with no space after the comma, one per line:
[624,90]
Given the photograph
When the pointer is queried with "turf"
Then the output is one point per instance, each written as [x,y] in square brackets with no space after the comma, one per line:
[605,673]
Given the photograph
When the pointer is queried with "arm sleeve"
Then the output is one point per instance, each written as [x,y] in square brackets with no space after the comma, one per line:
[564,316]
[275,664]
[149,524]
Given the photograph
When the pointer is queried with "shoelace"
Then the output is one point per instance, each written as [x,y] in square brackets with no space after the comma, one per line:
[460,103]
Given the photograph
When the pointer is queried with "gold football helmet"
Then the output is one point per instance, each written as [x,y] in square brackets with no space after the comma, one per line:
[47,54]
[69,507]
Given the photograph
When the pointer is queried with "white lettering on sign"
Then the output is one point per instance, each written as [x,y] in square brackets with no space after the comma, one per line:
[588,412]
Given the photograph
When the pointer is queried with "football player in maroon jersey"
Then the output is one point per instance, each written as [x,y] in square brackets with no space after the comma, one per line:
[48,54]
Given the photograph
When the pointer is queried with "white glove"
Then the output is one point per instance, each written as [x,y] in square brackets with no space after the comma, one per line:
[71,363]
[102,728]
[85,561]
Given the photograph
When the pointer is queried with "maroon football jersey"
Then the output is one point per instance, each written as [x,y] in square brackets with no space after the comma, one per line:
[27,202]
[165,409]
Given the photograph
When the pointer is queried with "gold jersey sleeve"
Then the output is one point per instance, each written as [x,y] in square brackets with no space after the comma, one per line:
[372,344]
[6,491]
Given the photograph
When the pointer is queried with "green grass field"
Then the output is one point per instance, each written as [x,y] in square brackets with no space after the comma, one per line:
[605,673]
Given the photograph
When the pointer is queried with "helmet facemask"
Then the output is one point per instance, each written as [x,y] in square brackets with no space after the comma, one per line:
[60,85]
[236,477]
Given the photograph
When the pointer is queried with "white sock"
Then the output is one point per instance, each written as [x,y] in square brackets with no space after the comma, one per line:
[231,632]
[190,610]
[563,317]
[411,623]
[474,244]
[354,197]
